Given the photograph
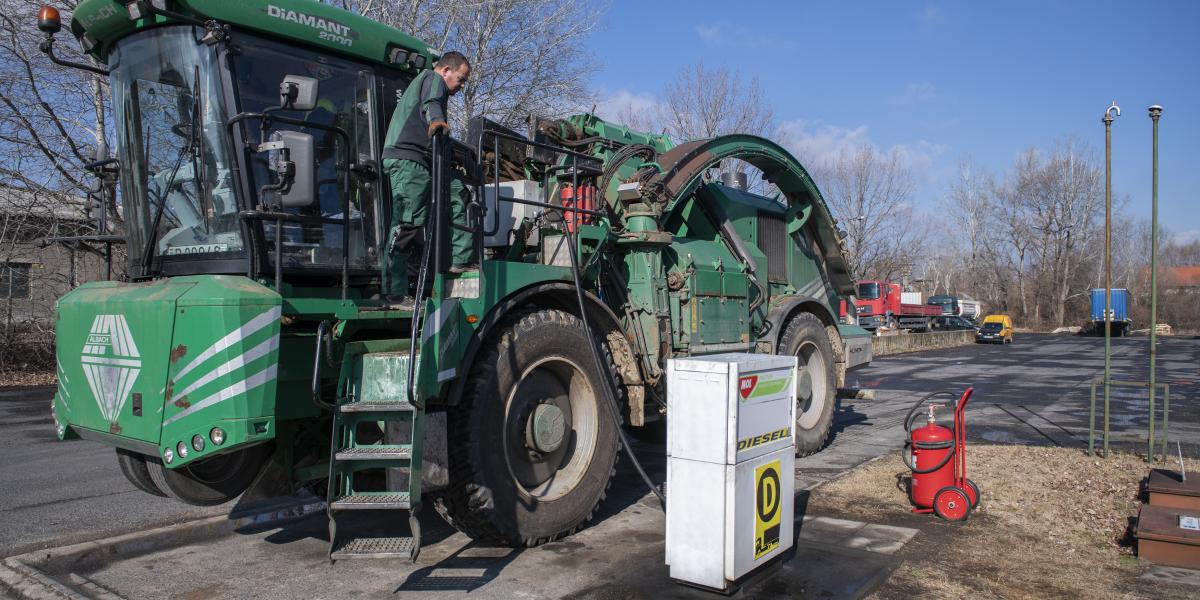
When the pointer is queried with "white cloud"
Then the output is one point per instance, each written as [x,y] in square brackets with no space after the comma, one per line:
[915,93]
[1186,237]
[722,34]
[816,144]
[635,109]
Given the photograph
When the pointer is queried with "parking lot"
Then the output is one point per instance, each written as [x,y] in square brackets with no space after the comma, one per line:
[1035,391]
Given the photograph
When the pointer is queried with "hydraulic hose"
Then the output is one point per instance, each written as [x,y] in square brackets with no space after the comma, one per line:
[908,441]
[602,367]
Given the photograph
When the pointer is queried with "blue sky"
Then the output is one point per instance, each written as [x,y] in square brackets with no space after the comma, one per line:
[944,81]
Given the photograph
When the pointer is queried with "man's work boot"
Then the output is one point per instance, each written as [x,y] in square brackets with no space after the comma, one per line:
[460,269]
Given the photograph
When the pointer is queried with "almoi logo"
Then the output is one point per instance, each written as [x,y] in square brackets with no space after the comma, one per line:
[111,363]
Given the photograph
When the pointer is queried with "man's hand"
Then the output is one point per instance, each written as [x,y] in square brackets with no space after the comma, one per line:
[437,127]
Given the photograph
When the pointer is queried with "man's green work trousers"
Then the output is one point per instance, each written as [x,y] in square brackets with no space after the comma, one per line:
[412,196]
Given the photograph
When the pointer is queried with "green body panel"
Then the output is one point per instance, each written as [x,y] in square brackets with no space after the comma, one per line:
[302,21]
[113,347]
[170,359]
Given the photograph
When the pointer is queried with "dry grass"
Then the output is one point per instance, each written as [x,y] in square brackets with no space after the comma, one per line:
[27,378]
[1052,523]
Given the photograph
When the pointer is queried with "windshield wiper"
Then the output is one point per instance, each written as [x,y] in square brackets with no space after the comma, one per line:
[148,251]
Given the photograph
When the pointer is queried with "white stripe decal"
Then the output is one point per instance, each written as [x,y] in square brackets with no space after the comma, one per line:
[241,387]
[118,362]
[439,317]
[447,374]
[234,363]
[233,337]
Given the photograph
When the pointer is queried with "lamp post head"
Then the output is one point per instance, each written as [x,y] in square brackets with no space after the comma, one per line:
[1108,113]
[1155,112]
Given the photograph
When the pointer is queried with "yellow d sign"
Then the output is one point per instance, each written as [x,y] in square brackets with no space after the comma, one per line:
[766,508]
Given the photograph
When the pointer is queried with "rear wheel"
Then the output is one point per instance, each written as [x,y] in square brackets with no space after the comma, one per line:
[214,480]
[133,467]
[805,338]
[532,447]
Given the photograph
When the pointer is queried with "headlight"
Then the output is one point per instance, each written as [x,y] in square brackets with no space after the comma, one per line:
[198,442]
[182,449]
[217,435]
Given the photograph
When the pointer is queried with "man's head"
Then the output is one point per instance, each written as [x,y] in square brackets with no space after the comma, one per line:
[454,69]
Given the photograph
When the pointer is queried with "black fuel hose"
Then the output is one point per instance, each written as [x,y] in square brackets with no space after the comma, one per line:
[908,441]
[602,367]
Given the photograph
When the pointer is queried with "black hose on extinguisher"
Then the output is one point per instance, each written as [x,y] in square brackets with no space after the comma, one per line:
[908,441]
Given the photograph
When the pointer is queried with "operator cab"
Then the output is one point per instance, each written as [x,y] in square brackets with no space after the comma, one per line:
[206,143]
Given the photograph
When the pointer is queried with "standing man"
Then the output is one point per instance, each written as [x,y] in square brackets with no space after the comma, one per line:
[420,114]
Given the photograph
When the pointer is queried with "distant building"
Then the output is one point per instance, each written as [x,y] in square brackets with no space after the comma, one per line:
[34,276]
[1185,279]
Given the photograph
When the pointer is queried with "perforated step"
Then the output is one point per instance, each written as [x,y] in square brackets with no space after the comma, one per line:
[382,547]
[357,407]
[372,501]
[377,452]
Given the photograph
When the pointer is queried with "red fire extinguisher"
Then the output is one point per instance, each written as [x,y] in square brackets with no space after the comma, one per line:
[939,462]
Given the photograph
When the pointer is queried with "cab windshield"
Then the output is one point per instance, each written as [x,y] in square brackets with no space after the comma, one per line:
[177,193]
[992,327]
[868,291]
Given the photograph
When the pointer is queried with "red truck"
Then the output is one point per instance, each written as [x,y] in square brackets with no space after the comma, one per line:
[878,305]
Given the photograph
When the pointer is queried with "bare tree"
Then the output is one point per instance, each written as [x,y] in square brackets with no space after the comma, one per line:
[527,56]
[870,194]
[704,102]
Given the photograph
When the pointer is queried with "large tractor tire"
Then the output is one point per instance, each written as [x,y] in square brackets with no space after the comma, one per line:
[532,448]
[212,481]
[816,385]
[134,468]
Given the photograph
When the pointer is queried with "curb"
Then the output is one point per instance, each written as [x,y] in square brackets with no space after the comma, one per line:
[29,576]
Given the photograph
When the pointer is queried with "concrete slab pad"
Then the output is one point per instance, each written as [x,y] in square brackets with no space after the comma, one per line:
[1173,575]
[621,557]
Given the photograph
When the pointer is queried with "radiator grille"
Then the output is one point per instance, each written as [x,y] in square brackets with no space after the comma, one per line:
[773,241]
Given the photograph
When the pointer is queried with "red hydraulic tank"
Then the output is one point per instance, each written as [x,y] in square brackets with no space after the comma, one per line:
[932,445]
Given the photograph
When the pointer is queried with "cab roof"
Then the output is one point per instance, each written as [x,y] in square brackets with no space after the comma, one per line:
[98,24]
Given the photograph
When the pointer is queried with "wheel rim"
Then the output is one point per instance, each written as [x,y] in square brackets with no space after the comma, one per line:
[812,385]
[551,425]
[952,504]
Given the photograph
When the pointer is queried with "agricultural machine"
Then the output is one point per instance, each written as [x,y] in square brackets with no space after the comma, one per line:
[248,343]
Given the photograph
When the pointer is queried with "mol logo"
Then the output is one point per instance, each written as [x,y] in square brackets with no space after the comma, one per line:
[746,385]
[111,364]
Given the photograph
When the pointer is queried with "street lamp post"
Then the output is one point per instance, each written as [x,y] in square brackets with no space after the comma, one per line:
[1108,120]
[1155,113]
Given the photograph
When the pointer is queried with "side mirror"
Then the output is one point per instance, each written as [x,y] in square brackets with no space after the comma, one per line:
[292,159]
[297,92]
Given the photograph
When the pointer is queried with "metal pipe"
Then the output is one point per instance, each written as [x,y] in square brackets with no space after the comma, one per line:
[1108,120]
[1166,431]
[1155,113]
[1092,423]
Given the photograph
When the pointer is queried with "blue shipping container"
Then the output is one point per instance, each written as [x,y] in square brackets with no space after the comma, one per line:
[1120,304]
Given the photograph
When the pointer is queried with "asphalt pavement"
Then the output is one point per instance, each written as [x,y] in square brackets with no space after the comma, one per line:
[1035,391]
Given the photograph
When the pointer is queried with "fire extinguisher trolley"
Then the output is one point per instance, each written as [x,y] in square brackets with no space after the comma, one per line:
[937,457]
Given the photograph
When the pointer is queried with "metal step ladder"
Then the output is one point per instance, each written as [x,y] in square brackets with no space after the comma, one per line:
[373,390]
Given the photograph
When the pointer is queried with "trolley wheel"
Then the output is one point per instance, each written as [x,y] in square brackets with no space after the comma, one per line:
[972,491]
[952,504]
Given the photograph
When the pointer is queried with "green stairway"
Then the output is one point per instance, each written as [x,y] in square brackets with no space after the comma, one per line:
[373,392]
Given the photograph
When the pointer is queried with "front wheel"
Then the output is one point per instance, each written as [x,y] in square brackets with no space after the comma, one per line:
[135,469]
[532,447]
[210,481]
[805,338]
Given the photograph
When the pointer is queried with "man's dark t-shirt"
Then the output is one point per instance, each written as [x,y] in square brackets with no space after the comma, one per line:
[423,102]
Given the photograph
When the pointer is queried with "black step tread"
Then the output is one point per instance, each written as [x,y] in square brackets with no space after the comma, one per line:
[376,452]
[381,547]
[372,501]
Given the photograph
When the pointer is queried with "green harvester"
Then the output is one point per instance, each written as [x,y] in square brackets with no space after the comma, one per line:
[247,347]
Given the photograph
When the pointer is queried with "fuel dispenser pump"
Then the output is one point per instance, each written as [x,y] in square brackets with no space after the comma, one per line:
[730,465]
